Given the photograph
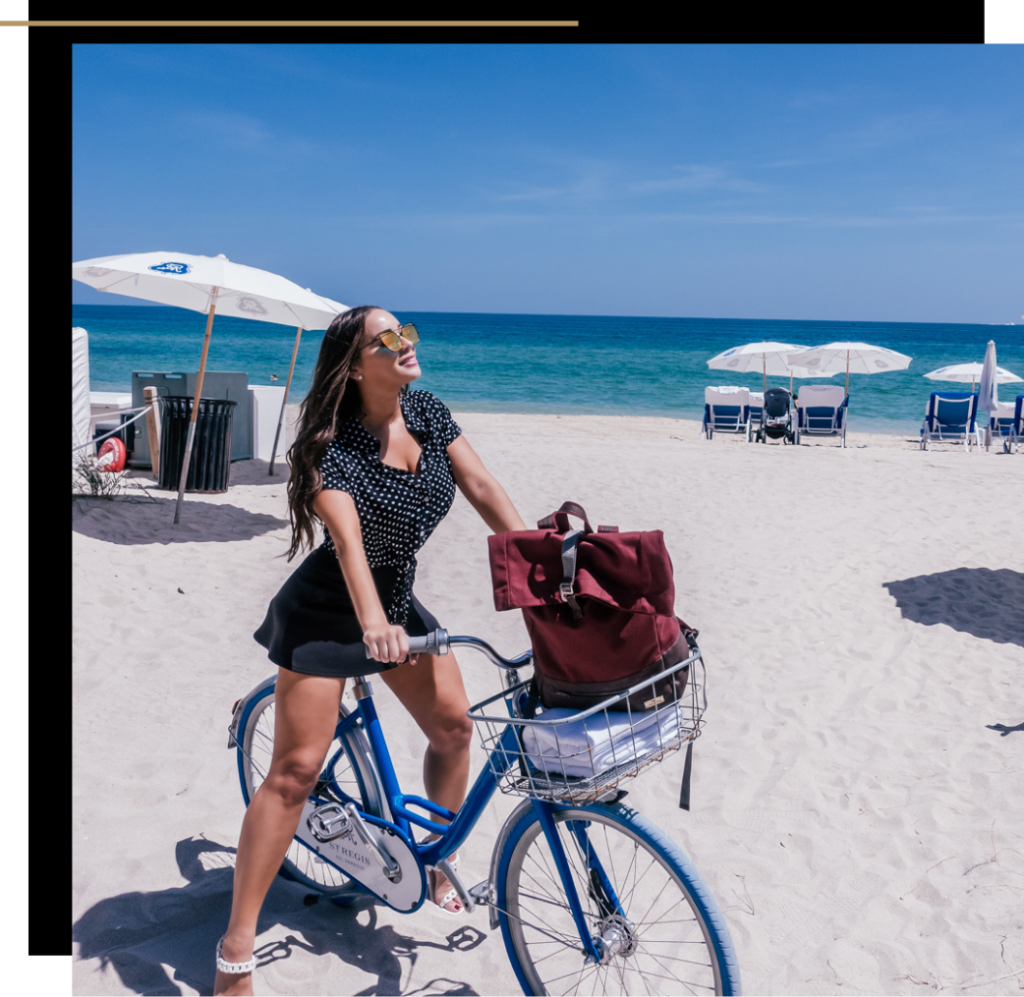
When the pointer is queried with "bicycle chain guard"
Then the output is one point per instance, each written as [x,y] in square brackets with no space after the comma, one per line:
[329,832]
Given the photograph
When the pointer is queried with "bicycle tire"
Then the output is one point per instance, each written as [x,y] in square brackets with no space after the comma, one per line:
[348,775]
[542,939]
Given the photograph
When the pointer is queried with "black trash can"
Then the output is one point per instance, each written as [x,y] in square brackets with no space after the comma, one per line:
[209,468]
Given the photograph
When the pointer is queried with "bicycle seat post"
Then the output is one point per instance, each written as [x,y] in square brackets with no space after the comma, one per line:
[361,688]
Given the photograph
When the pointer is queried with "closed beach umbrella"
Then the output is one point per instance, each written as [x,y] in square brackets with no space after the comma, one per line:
[961,373]
[769,358]
[860,358]
[988,391]
[207,284]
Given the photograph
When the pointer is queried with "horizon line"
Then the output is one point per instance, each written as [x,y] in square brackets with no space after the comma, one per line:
[700,318]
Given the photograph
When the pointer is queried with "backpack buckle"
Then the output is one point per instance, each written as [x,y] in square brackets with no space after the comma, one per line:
[566,594]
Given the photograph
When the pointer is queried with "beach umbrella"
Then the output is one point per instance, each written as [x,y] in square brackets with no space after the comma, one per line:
[961,373]
[329,304]
[769,358]
[207,284]
[988,391]
[860,358]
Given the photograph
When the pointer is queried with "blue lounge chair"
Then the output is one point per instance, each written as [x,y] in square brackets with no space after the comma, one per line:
[756,408]
[1000,424]
[950,418]
[1009,424]
[726,411]
[821,411]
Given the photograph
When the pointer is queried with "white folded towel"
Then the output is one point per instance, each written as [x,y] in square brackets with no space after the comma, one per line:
[600,742]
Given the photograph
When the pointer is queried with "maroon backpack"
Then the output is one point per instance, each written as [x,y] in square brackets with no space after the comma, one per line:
[599,608]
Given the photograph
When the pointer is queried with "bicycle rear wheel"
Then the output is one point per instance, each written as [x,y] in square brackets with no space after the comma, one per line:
[348,775]
[651,915]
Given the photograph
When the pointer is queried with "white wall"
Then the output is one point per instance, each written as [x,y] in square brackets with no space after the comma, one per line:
[266,410]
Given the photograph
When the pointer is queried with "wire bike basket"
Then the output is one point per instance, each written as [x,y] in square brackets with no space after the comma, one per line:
[579,756]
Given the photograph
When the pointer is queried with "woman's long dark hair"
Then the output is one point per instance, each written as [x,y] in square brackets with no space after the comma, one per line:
[331,400]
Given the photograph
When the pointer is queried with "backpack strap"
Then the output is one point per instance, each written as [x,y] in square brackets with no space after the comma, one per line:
[560,519]
[570,548]
[684,789]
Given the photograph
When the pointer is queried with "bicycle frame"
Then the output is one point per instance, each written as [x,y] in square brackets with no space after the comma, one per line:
[462,822]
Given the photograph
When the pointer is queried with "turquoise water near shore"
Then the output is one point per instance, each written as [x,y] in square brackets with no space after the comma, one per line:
[587,364]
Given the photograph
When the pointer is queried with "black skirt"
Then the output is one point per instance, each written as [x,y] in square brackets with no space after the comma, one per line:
[311,626]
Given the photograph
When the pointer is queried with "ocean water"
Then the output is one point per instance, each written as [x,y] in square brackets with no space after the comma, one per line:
[557,363]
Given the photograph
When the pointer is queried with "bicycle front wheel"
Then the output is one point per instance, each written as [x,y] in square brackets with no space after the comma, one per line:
[348,776]
[651,916]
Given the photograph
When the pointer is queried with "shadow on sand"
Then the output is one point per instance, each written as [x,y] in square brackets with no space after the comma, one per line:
[155,940]
[1004,730]
[979,601]
[257,472]
[136,519]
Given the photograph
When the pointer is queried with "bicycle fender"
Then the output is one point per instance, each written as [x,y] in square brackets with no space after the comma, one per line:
[362,864]
[499,845]
[239,708]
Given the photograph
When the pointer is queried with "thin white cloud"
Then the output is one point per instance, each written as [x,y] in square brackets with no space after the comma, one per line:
[241,132]
[580,180]
[892,130]
[697,177]
[529,193]
[480,221]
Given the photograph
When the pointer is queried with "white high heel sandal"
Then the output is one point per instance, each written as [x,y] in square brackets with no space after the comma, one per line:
[234,968]
[451,895]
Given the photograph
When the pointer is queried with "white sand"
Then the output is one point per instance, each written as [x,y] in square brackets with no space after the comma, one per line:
[862,614]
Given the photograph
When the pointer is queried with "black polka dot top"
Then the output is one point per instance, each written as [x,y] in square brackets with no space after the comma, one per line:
[397,509]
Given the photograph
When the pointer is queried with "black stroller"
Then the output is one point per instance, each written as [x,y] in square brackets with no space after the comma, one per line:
[778,419]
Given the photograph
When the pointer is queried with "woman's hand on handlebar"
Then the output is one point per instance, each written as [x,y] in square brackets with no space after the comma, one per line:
[386,642]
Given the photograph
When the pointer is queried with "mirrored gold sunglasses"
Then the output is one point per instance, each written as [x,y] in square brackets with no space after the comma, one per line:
[392,339]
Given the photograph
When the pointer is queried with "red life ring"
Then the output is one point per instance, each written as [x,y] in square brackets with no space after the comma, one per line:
[112,455]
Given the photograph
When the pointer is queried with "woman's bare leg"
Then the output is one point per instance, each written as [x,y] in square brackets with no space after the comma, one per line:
[306,713]
[432,691]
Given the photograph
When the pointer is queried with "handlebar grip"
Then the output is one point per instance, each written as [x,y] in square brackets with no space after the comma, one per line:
[433,643]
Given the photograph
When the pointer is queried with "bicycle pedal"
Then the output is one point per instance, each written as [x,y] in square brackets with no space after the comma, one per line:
[483,892]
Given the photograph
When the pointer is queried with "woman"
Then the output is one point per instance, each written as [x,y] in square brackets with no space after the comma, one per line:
[377,464]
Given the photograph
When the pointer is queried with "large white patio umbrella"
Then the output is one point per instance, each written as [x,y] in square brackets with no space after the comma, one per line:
[961,373]
[207,284]
[861,358]
[769,358]
[329,304]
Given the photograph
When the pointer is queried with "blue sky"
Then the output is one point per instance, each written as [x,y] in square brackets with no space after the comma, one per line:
[874,183]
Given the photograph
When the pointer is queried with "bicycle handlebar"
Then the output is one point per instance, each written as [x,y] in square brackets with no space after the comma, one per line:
[433,643]
[439,642]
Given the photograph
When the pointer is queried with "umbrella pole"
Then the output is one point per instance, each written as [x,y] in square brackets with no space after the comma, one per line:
[195,410]
[847,373]
[764,373]
[284,401]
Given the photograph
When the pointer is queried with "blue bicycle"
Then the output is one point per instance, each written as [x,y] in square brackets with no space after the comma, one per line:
[590,897]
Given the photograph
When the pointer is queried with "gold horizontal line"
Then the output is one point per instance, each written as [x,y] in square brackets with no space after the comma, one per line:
[289,24]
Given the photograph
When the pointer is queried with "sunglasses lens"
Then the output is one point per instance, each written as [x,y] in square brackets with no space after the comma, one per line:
[410,333]
[392,341]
